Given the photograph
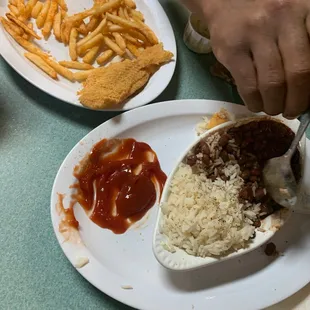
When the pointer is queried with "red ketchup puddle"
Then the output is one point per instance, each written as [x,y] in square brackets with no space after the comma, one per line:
[117,183]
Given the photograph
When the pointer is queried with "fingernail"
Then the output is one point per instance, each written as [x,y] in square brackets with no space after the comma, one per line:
[290,118]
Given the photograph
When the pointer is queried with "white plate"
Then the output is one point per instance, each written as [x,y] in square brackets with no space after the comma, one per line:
[63,89]
[253,281]
[180,260]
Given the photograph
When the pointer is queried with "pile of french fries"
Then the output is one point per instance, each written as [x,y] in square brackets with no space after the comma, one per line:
[110,28]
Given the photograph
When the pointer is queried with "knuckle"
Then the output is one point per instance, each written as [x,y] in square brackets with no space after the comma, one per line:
[227,39]
[272,85]
[299,75]
[225,50]
[257,19]
[274,6]
[248,90]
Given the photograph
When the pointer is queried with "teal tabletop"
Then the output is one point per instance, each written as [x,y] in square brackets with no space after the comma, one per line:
[36,133]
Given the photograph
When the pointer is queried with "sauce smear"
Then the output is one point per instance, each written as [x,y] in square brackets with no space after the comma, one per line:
[117,183]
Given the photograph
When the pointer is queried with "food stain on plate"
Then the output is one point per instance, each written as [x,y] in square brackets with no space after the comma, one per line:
[118,182]
[68,225]
[127,287]
[81,262]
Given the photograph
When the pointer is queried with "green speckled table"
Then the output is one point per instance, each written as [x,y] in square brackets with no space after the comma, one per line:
[36,133]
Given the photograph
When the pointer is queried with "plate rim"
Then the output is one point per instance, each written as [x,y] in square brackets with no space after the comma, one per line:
[131,299]
[53,89]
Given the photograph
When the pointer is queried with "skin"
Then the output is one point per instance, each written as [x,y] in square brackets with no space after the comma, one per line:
[265,46]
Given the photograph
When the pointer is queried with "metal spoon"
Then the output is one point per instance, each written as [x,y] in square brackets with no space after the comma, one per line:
[278,176]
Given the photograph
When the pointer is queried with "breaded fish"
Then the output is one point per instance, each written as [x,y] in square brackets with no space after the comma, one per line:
[114,84]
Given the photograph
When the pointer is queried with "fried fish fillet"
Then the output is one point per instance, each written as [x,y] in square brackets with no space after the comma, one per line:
[112,85]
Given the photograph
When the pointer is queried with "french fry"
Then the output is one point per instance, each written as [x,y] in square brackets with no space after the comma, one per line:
[121,12]
[25,36]
[21,7]
[83,29]
[130,3]
[119,40]
[36,10]
[113,46]
[76,65]
[95,10]
[97,40]
[30,47]
[72,44]
[63,14]
[30,26]
[126,13]
[50,19]
[40,63]
[137,14]
[91,55]
[62,33]
[23,26]
[137,24]
[57,26]
[43,14]
[133,49]
[115,28]
[63,5]
[22,18]
[105,57]
[13,2]
[14,10]
[147,32]
[93,23]
[138,35]
[98,30]
[82,75]
[19,31]
[131,39]
[59,69]
[129,55]
[29,7]
[121,21]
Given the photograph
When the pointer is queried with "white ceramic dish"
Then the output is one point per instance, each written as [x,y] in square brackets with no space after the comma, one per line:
[252,281]
[193,39]
[64,90]
[180,260]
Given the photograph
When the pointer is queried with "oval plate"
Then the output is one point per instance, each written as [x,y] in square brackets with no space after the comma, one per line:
[65,90]
[180,260]
[116,262]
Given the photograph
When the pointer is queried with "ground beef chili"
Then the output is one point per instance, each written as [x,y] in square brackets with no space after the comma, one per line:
[250,146]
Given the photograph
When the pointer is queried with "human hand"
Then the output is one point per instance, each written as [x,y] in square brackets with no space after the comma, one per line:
[265,45]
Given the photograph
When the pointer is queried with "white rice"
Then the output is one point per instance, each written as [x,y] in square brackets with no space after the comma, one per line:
[205,218]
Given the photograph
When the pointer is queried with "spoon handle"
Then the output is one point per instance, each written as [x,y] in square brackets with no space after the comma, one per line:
[304,123]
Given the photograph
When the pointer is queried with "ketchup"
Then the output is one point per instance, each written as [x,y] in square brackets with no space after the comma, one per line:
[118,182]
